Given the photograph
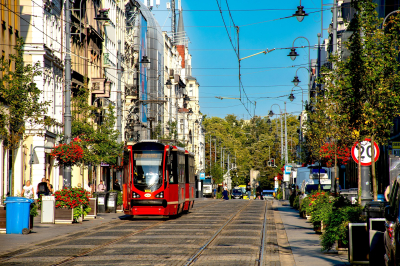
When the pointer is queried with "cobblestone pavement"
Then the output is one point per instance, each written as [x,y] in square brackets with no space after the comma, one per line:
[215,232]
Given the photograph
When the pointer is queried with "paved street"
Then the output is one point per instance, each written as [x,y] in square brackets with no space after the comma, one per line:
[216,232]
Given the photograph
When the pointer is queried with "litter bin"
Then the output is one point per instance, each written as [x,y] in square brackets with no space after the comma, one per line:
[375,211]
[101,201]
[47,210]
[112,202]
[18,215]
[351,194]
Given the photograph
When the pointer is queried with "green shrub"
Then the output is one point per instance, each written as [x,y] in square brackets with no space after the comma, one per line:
[342,214]
[279,194]
[320,207]
[291,198]
[296,202]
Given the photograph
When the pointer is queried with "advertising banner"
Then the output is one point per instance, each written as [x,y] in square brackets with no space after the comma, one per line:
[143,69]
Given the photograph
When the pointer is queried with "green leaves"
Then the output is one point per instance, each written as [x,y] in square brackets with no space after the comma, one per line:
[20,98]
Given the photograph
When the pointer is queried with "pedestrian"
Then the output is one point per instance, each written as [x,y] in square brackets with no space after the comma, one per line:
[27,190]
[43,188]
[387,192]
[101,187]
[116,185]
[258,192]
[50,186]
[225,194]
[248,190]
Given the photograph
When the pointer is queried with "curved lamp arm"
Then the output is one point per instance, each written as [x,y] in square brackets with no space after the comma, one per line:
[388,15]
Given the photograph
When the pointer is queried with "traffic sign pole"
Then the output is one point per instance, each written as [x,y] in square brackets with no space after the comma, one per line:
[363,151]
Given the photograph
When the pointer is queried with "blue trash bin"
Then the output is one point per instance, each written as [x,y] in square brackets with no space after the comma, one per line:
[18,215]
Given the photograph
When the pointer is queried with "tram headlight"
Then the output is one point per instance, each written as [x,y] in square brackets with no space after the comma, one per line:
[160,195]
[135,195]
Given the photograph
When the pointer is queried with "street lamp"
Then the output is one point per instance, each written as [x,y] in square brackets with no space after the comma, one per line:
[271,112]
[293,56]
[291,97]
[300,14]
[296,81]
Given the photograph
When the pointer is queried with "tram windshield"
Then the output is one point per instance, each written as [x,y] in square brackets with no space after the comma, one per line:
[148,170]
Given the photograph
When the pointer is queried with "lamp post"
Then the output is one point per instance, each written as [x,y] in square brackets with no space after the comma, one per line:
[293,54]
[271,113]
[67,104]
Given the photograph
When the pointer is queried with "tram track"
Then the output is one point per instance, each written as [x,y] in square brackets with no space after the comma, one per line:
[56,241]
[193,259]
[119,239]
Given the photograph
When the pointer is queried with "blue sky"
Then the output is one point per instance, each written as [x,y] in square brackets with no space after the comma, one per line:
[266,78]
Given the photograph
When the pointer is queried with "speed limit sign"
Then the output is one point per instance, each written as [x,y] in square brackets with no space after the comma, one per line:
[365,151]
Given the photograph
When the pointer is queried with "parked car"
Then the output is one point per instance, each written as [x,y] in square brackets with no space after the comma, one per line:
[237,194]
[268,194]
[391,236]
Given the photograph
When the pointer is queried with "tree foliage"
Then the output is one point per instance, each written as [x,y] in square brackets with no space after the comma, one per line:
[94,129]
[250,144]
[360,96]
[21,105]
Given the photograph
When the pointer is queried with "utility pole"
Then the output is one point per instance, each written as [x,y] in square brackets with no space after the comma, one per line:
[286,151]
[210,155]
[173,20]
[67,96]
[334,30]
[281,138]
[119,109]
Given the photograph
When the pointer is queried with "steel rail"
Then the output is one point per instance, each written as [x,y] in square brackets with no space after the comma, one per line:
[117,240]
[81,233]
[262,249]
[198,253]
[106,244]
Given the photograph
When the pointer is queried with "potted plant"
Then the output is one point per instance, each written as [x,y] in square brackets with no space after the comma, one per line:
[337,229]
[320,207]
[33,213]
[71,205]
[68,154]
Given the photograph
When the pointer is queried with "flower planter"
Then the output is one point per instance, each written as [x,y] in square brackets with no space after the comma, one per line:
[120,208]
[63,216]
[93,205]
[2,219]
[317,227]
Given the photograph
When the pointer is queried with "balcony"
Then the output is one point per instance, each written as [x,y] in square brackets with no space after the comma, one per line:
[131,93]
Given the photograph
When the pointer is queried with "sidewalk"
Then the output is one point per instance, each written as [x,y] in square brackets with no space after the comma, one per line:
[45,232]
[303,241]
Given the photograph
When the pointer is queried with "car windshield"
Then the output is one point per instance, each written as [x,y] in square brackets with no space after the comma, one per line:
[148,170]
[237,191]
[310,188]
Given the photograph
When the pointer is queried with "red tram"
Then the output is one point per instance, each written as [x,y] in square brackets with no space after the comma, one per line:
[155,177]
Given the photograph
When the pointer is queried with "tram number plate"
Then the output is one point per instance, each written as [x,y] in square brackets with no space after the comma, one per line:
[147,190]
[100,201]
[111,203]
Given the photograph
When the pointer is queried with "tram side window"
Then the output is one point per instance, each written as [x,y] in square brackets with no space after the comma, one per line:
[173,173]
[127,165]
[181,168]
[191,170]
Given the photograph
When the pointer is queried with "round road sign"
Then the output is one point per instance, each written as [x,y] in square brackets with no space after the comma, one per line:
[366,152]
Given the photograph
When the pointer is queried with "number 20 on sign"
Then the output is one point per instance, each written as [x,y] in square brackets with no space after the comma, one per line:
[366,152]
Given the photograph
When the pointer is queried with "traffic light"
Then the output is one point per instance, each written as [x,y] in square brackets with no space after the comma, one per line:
[273,163]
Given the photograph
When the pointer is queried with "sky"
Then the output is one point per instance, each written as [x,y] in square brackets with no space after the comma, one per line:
[266,78]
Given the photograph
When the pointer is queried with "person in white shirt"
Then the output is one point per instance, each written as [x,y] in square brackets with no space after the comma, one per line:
[27,190]
[101,187]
